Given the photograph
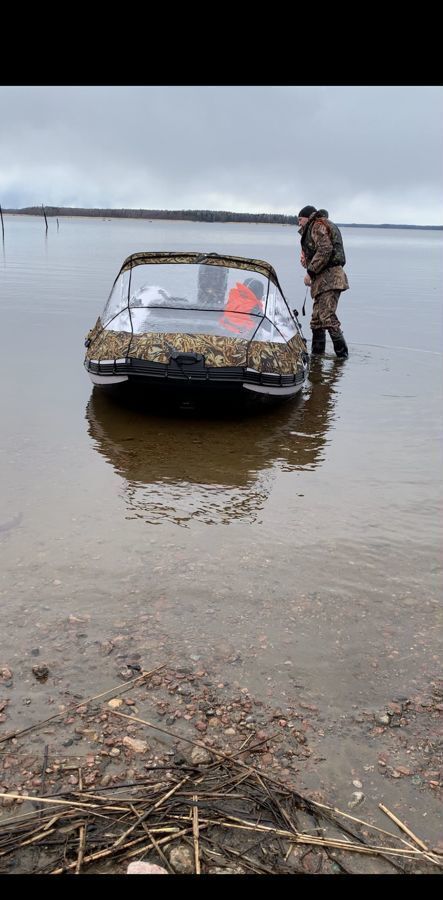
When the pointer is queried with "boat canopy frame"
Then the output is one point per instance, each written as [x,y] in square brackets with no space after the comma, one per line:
[210,259]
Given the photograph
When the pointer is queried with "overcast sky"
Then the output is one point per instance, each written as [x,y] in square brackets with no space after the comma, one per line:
[367,154]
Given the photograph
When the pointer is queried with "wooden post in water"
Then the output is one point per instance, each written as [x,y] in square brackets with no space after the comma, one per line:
[58,226]
[1,216]
[43,208]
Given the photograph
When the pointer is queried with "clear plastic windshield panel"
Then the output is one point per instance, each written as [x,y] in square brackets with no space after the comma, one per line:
[118,298]
[198,299]
[279,323]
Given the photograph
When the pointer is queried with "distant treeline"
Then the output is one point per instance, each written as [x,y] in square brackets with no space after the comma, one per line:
[193,215]
[384,225]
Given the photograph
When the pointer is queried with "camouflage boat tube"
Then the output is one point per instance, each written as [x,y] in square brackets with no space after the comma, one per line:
[181,322]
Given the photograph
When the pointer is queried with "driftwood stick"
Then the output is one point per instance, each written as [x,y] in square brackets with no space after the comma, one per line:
[44,767]
[151,837]
[301,838]
[429,855]
[32,840]
[227,756]
[360,822]
[68,803]
[195,829]
[167,731]
[102,854]
[81,849]
[165,840]
[119,689]
[339,812]
[404,827]
[253,864]
[122,837]
[26,818]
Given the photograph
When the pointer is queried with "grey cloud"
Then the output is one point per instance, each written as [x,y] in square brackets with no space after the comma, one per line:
[365,151]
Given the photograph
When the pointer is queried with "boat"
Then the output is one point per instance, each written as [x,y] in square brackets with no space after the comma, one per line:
[187,325]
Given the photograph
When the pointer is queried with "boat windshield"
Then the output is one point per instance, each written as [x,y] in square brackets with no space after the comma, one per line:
[198,299]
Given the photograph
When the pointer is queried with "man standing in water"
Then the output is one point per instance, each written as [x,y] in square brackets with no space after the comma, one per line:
[323,256]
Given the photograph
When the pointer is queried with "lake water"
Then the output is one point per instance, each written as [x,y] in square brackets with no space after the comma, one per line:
[295,553]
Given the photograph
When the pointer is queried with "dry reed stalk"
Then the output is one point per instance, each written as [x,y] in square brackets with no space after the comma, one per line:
[154,841]
[102,854]
[81,849]
[195,829]
[119,689]
[411,834]
[151,809]
[70,803]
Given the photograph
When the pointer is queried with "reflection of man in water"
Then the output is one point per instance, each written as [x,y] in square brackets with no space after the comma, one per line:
[318,409]
[244,297]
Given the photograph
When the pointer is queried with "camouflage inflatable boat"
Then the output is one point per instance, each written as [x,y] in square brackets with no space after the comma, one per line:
[203,324]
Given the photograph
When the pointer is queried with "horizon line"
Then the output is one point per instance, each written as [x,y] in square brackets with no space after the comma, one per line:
[155,212]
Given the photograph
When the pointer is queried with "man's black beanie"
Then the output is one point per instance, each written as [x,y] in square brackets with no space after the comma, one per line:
[307,211]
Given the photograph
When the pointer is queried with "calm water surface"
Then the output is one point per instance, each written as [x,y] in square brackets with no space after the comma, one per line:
[295,553]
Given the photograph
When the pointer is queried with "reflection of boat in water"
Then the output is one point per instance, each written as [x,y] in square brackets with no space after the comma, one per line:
[201,326]
[216,471]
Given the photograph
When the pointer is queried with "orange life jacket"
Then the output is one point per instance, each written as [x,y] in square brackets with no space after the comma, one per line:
[241,300]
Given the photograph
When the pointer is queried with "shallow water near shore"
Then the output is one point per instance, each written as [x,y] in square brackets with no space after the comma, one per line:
[294,553]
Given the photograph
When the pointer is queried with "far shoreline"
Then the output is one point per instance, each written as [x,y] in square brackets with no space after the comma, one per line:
[197,216]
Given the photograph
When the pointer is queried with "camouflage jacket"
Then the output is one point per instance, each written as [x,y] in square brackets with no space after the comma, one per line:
[321,245]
